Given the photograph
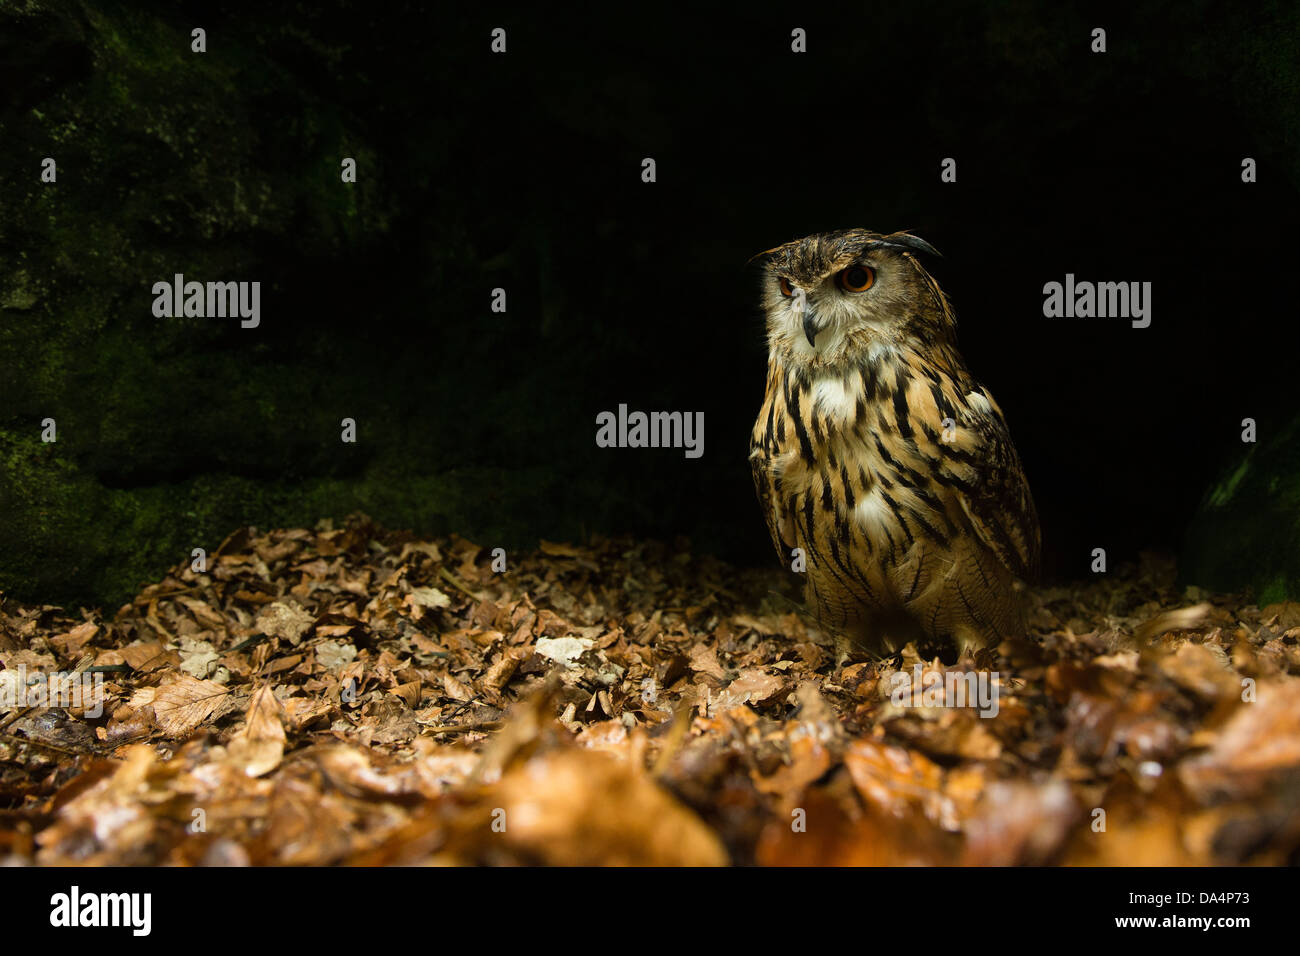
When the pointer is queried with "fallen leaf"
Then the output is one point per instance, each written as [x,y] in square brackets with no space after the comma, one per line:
[180,706]
[258,748]
[285,620]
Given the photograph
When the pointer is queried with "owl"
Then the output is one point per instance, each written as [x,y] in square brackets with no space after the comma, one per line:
[878,455]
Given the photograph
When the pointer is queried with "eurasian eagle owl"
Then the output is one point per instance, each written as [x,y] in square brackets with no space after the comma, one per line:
[878,454]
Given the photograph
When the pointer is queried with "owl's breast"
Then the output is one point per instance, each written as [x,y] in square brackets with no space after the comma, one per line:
[856,466]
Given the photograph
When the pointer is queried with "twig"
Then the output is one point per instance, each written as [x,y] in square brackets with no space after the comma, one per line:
[465,728]
[144,599]
[455,582]
[33,742]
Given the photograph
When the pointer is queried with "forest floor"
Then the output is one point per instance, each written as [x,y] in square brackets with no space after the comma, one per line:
[351,695]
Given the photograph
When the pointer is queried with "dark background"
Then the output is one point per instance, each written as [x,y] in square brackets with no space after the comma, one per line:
[523,171]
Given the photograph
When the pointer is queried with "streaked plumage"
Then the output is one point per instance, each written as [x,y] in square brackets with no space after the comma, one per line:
[878,454]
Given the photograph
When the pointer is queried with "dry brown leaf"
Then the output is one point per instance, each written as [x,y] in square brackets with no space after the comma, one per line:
[77,638]
[286,621]
[185,703]
[258,747]
[585,808]
[753,686]
[1259,744]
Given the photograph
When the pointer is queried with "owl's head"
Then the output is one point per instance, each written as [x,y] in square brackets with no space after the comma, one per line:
[834,296]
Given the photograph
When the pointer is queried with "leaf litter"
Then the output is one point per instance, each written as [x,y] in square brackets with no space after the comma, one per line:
[351,695]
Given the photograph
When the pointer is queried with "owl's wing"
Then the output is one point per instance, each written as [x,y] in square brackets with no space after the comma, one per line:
[979,462]
[779,523]
[763,451]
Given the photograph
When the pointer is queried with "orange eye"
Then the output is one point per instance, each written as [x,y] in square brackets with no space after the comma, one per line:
[786,289]
[856,279]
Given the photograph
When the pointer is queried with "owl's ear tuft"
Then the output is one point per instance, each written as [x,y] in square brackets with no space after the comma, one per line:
[905,240]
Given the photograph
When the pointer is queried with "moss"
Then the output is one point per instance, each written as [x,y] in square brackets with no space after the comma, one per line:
[157,174]
[48,526]
[1279,589]
[1245,533]
[66,537]
[1222,493]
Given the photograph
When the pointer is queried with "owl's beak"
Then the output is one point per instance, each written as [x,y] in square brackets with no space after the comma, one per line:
[811,326]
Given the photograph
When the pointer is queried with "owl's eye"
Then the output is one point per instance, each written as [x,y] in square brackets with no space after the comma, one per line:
[856,279]
[784,284]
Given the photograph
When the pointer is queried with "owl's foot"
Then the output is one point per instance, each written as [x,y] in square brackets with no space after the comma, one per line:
[970,642]
[844,649]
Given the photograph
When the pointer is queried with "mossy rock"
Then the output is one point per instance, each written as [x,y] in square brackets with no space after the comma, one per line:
[1246,533]
[171,433]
